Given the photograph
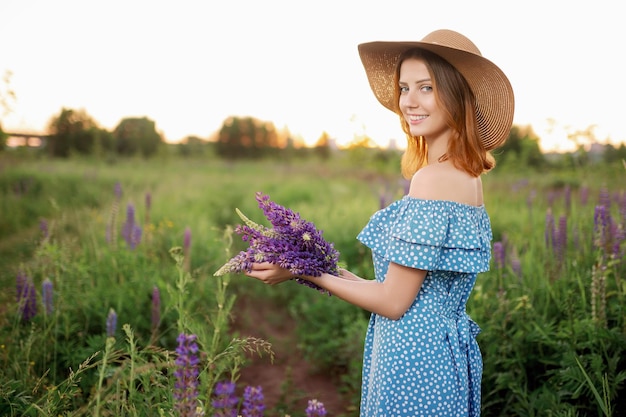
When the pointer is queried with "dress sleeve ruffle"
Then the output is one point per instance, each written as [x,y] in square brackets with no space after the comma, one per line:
[432,235]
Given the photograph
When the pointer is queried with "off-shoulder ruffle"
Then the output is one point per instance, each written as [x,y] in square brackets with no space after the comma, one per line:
[432,235]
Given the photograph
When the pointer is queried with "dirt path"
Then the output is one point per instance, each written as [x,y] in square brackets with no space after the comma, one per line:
[290,381]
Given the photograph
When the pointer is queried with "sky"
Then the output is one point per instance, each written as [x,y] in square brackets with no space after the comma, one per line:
[189,65]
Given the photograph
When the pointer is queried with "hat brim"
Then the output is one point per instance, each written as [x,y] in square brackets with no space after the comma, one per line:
[495,102]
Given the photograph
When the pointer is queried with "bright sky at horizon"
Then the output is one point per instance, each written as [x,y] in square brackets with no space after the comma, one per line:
[188,65]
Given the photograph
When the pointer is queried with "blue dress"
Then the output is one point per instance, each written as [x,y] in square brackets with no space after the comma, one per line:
[428,362]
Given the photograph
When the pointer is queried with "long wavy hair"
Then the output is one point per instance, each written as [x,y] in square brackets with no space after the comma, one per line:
[453,95]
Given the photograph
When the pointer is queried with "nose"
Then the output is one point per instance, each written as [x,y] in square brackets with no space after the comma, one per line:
[408,100]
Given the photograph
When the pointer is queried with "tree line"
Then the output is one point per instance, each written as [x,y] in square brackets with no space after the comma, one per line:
[74,132]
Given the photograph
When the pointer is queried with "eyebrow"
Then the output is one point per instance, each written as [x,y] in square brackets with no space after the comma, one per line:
[416,82]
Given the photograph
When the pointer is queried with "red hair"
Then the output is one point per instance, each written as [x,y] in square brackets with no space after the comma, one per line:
[453,95]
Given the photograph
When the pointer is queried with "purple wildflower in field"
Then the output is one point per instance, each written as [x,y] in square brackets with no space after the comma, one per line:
[186,374]
[117,189]
[131,231]
[315,409]
[584,195]
[47,296]
[550,231]
[516,266]
[156,308]
[26,297]
[253,402]
[601,226]
[224,401]
[604,199]
[560,243]
[111,324]
[43,226]
[568,198]
[292,242]
[498,255]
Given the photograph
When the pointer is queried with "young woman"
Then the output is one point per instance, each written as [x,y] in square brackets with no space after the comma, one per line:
[421,357]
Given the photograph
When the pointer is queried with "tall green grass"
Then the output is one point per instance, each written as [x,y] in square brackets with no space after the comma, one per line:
[554,329]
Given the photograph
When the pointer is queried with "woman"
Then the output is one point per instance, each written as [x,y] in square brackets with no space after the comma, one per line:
[421,357]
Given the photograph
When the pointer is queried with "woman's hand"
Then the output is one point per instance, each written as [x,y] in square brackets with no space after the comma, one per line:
[269,273]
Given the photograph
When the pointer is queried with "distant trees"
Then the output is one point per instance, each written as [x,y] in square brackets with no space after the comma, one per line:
[75,131]
[137,136]
[521,149]
[247,137]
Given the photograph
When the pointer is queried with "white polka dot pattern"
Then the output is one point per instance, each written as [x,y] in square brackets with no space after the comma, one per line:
[428,362]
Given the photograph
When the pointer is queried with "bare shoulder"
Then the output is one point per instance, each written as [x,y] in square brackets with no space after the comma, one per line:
[445,182]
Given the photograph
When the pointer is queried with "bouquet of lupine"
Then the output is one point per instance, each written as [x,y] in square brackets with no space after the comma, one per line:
[292,243]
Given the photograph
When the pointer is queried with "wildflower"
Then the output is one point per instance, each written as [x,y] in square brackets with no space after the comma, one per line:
[292,243]
[46,295]
[156,308]
[498,255]
[253,402]
[26,297]
[560,243]
[604,199]
[550,230]
[186,374]
[118,191]
[601,226]
[584,195]
[131,231]
[111,323]
[43,226]
[315,409]
[225,402]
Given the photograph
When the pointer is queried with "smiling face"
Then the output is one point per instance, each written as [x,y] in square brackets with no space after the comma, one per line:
[418,102]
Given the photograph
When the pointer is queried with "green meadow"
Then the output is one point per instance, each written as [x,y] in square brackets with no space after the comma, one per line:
[91,308]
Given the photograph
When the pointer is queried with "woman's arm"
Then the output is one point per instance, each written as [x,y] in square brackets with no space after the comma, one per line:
[391,298]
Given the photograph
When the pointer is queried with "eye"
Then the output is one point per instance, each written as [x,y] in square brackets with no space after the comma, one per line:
[404,89]
[426,88]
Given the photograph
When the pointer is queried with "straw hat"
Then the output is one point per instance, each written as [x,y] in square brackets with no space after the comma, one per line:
[492,90]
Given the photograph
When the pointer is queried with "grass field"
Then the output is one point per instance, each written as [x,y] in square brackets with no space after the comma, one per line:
[95,298]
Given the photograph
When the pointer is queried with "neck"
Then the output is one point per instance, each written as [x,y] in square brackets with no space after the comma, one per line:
[436,149]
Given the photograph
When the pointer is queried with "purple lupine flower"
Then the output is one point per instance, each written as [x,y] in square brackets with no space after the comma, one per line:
[131,231]
[43,226]
[498,255]
[118,191]
[156,308]
[516,266]
[604,199]
[111,324]
[550,230]
[26,296]
[315,409]
[584,195]
[47,296]
[568,198]
[186,374]
[224,402]
[601,226]
[253,402]
[560,243]
[292,243]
